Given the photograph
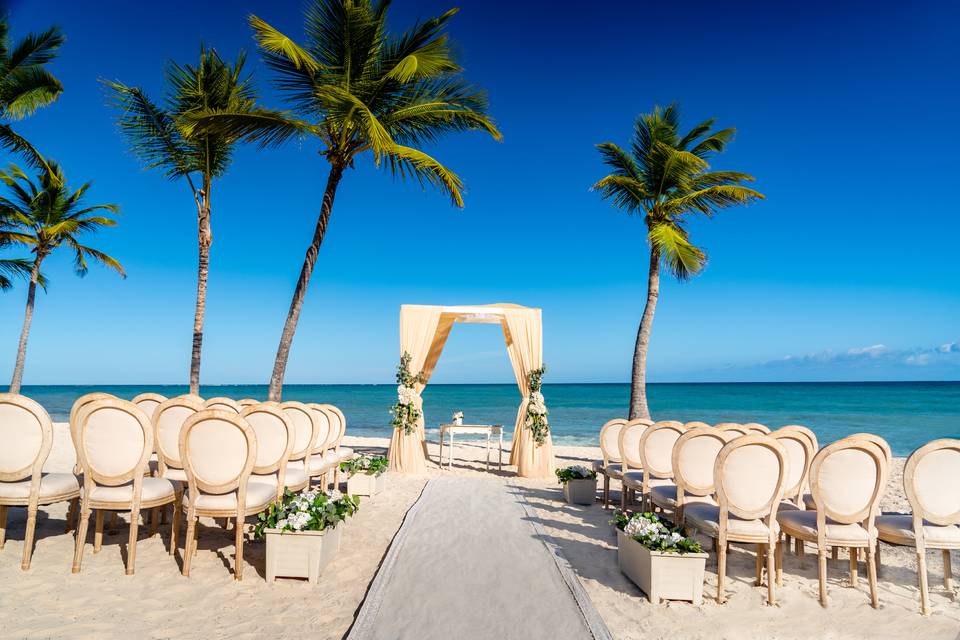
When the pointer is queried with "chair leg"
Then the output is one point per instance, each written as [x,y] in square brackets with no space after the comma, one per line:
[114,521]
[771,572]
[758,565]
[721,569]
[132,544]
[779,566]
[28,536]
[854,577]
[606,491]
[336,477]
[947,571]
[155,520]
[798,547]
[98,531]
[835,553]
[876,557]
[623,496]
[175,522]
[238,558]
[3,524]
[872,578]
[73,509]
[188,542]
[922,579]
[822,571]
[81,539]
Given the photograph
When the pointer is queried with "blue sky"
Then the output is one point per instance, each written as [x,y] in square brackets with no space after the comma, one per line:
[846,113]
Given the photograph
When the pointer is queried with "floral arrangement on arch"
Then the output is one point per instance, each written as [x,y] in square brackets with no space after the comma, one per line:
[655,534]
[405,412]
[308,510]
[537,407]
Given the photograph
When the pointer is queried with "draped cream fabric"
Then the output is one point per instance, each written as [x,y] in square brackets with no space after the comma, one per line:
[522,329]
[424,331]
[418,330]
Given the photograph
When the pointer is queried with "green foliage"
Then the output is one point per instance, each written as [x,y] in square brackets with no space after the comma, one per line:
[655,533]
[309,510]
[665,177]
[43,214]
[25,84]
[537,407]
[369,465]
[575,472]
[405,411]
[356,87]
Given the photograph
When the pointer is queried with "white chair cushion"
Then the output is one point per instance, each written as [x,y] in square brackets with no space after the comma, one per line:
[345,453]
[153,489]
[51,484]
[179,475]
[632,478]
[706,519]
[320,464]
[892,528]
[665,495]
[291,478]
[803,524]
[259,495]
[614,470]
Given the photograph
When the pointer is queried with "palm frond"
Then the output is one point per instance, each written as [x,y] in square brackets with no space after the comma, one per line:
[408,162]
[13,142]
[625,192]
[673,245]
[81,253]
[36,49]
[26,89]
[260,126]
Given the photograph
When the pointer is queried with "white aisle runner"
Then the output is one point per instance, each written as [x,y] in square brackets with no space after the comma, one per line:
[470,563]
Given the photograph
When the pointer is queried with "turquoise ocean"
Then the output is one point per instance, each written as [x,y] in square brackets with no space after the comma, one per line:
[907,414]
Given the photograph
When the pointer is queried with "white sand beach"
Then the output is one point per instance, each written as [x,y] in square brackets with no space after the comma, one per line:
[158,602]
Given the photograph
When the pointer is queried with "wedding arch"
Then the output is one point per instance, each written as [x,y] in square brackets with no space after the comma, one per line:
[424,330]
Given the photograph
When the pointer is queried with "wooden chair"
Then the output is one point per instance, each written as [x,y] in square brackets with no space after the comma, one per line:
[631,466]
[656,460]
[324,451]
[800,444]
[847,479]
[749,475]
[275,435]
[73,510]
[168,419]
[345,453]
[731,430]
[306,428]
[610,465]
[247,402]
[148,402]
[191,396]
[113,442]
[931,480]
[695,424]
[756,427]
[870,437]
[219,451]
[223,404]
[27,436]
[692,460]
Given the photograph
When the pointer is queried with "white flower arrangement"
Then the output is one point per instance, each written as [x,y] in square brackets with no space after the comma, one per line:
[575,472]
[406,412]
[309,510]
[655,534]
[537,407]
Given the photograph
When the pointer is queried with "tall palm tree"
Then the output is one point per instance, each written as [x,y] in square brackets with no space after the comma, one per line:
[665,178]
[26,84]
[45,216]
[155,135]
[357,88]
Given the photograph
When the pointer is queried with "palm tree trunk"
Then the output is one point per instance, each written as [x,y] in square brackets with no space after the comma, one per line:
[638,383]
[293,315]
[204,240]
[25,332]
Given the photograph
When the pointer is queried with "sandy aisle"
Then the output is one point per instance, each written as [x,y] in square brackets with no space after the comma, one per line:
[158,602]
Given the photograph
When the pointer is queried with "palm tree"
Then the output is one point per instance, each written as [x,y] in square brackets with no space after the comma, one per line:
[45,215]
[357,88]
[665,177]
[155,135]
[26,84]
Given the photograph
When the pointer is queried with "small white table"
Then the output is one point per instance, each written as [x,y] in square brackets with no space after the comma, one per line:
[481,429]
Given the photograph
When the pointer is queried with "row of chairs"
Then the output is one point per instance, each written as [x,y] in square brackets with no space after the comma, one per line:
[216,458]
[751,486]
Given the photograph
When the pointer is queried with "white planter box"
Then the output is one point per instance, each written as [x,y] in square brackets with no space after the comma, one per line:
[582,491]
[362,484]
[662,576]
[301,554]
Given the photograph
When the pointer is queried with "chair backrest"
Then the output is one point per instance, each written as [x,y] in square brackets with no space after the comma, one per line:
[693,457]
[656,449]
[731,430]
[931,480]
[148,402]
[114,441]
[847,479]
[222,404]
[610,440]
[340,420]
[756,427]
[327,430]
[801,445]
[191,396]
[218,449]
[305,425]
[695,424]
[628,442]
[749,475]
[27,436]
[81,402]
[275,437]
[168,419]
[880,442]
[247,402]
